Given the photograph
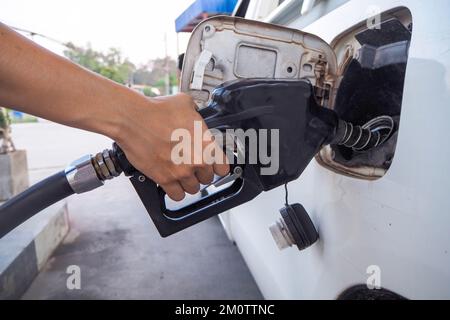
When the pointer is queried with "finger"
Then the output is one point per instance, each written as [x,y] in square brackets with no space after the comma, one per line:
[221,169]
[191,185]
[217,158]
[221,166]
[205,175]
[174,191]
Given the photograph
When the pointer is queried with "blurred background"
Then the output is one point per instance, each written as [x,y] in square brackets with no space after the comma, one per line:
[132,42]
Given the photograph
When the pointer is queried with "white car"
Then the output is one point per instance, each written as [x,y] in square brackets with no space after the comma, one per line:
[383,222]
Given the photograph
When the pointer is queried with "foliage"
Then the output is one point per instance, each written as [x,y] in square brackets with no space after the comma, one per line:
[147,91]
[154,74]
[110,64]
[7,145]
[5,120]
[113,66]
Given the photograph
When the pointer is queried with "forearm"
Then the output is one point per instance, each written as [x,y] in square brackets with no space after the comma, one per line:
[41,83]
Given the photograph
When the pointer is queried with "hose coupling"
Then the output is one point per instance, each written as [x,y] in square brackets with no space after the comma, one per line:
[89,172]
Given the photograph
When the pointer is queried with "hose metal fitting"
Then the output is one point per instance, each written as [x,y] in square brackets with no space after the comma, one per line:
[105,165]
[89,172]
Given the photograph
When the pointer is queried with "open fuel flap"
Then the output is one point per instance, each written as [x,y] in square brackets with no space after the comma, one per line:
[360,75]
[227,48]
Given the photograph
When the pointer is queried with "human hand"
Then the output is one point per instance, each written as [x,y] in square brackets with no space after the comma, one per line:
[145,136]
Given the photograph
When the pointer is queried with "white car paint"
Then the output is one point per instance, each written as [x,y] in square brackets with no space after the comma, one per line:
[400,222]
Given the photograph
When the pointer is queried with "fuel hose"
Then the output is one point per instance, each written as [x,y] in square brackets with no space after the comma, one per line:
[84,174]
[36,198]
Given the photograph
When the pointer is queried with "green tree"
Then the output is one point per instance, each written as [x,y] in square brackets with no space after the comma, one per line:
[154,74]
[110,64]
[5,120]
[143,76]
[147,91]
[7,145]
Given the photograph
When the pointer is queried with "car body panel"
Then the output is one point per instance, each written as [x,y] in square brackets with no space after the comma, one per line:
[399,222]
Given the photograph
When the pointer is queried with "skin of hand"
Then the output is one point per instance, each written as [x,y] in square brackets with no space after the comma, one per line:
[154,129]
[38,82]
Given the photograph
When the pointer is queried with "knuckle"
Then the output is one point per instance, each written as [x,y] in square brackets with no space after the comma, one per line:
[164,180]
[202,166]
[184,174]
[185,97]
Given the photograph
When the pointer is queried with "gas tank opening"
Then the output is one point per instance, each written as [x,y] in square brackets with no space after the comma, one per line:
[371,86]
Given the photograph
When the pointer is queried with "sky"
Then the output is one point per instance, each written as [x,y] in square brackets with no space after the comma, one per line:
[136,27]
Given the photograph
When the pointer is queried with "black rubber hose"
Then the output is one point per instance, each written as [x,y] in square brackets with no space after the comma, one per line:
[33,200]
